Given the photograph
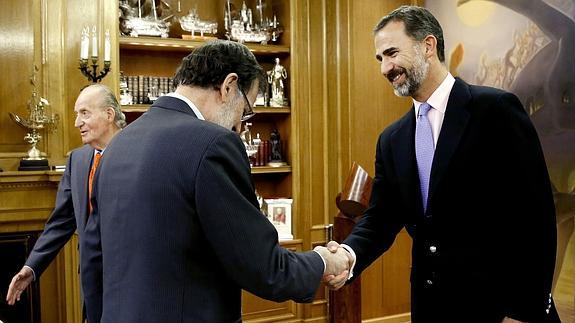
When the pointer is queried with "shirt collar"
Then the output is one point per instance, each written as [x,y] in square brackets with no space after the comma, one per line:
[190,104]
[439,97]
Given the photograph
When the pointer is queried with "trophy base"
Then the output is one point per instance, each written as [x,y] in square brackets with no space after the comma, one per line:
[30,165]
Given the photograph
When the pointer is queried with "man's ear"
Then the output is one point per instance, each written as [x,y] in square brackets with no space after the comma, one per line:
[227,88]
[430,43]
[110,113]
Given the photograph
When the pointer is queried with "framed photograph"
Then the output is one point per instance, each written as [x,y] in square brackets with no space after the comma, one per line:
[279,214]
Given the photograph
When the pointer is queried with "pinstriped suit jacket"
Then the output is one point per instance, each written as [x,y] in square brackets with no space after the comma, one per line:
[181,229]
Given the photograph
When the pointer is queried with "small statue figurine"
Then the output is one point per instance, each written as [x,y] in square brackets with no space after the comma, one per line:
[262,203]
[251,146]
[276,148]
[275,79]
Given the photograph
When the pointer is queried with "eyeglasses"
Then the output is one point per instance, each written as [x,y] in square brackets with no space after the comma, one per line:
[248,110]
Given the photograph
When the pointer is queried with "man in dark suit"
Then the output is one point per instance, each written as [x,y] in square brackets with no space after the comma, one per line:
[99,118]
[464,173]
[181,230]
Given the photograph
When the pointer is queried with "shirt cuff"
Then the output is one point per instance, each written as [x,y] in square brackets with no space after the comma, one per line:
[350,250]
[33,273]
[324,264]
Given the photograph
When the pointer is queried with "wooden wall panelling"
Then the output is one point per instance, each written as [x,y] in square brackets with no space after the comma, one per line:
[47,33]
[32,36]
[302,104]
[373,106]
[69,263]
[19,52]
[25,203]
[79,14]
[53,64]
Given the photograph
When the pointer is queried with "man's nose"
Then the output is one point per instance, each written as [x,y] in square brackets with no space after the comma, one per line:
[386,66]
[78,122]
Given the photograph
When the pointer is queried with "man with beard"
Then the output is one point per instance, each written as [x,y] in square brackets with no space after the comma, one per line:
[180,225]
[464,173]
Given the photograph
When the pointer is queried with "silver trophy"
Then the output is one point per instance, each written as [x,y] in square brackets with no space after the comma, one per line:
[36,121]
[244,28]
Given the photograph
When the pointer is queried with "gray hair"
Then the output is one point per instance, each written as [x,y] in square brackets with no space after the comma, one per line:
[108,99]
[419,23]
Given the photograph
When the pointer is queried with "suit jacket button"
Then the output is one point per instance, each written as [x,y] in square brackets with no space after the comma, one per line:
[429,282]
[433,249]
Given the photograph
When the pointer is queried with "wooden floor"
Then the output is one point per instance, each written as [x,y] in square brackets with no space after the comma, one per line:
[564,293]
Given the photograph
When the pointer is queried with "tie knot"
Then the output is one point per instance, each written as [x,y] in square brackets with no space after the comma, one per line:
[424,108]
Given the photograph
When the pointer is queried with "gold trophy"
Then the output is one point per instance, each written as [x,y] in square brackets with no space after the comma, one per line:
[36,121]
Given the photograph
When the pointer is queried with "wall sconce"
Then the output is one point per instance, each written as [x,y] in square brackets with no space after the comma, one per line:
[93,75]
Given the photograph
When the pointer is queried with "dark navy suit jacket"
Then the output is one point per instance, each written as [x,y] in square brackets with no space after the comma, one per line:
[181,229]
[486,247]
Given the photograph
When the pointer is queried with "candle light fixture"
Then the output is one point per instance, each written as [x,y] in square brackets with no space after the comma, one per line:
[93,75]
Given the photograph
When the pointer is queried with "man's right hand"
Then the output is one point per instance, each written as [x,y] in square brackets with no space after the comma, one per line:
[338,263]
[19,283]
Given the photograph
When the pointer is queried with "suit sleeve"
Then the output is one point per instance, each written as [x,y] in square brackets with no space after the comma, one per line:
[58,229]
[381,222]
[244,240]
[532,233]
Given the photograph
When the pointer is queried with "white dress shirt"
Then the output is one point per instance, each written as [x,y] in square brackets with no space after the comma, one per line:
[438,101]
[190,104]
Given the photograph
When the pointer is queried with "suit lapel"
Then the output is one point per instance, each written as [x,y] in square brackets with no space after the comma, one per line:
[404,158]
[454,124]
[82,168]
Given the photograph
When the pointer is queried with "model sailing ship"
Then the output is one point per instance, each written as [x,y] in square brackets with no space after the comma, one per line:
[142,24]
[192,23]
[242,27]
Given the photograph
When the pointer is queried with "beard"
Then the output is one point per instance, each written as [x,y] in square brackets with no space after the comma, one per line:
[413,76]
[227,116]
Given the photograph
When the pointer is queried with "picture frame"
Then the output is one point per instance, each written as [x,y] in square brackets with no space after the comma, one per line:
[279,214]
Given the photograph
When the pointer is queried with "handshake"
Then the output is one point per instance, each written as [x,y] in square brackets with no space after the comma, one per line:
[338,263]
